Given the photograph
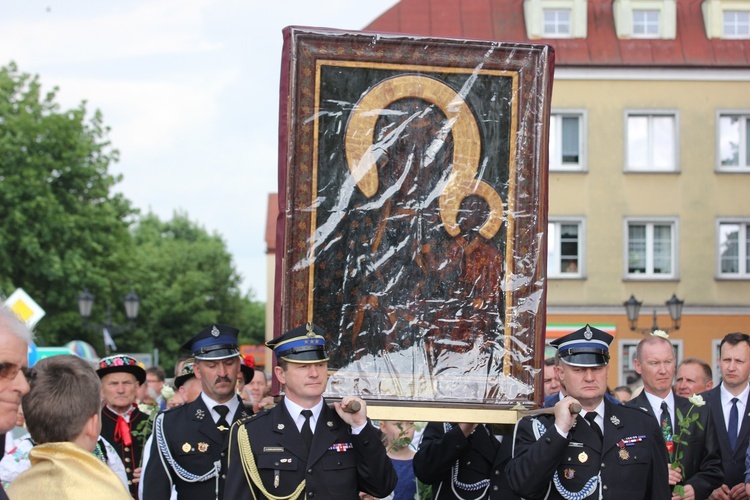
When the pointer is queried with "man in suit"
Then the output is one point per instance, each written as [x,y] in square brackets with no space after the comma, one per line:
[701,469]
[694,376]
[188,448]
[464,461]
[121,376]
[15,338]
[301,446]
[608,450]
[729,408]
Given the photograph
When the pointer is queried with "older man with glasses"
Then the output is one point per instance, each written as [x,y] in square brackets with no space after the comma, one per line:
[14,348]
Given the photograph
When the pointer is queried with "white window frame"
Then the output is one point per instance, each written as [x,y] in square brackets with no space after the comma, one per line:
[623,14]
[744,153]
[735,36]
[555,153]
[714,15]
[743,274]
[647,23]
[557,24]
[554,270]
[533,11]
[716,361]
[650,222]
[650,114]
[626,355]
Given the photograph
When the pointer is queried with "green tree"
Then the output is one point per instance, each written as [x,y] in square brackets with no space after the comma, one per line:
[188,282]
[61,229]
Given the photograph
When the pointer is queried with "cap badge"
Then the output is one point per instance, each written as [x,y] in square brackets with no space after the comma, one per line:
[186,447]
[309,327]
[588,334]
[215,331]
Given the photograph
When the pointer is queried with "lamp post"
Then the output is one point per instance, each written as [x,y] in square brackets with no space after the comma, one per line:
[86,304]
[633,308]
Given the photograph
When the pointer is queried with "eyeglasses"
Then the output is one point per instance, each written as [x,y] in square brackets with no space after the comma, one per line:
[10,370]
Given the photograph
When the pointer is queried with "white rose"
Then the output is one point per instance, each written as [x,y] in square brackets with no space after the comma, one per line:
[697,400]
[145,408]
[167,392]
[660,333]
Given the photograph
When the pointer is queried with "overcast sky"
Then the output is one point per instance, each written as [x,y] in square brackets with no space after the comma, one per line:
[190,91]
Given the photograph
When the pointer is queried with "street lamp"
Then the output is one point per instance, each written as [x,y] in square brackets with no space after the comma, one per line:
[86,303]
[633,307]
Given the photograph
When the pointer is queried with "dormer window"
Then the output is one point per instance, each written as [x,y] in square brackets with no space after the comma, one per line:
[557,23]
[645,24]
[728,19]
[645,19]
[555,18]
[736,24]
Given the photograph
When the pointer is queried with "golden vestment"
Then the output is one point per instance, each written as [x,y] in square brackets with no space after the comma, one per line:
[65,471]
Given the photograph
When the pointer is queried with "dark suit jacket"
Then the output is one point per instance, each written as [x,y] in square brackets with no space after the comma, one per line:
[479,456]
[733,461]
[195,444]
[339,464]
[634,472]
[130,455]
[702,458]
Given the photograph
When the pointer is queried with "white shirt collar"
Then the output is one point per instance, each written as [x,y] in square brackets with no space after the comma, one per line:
[726,396]
[599,414]
[295,411]
[232,404]
[656,401]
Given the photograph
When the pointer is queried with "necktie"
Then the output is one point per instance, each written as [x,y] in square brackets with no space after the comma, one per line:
[666,428]
[122,431]
[307,433]
[222,423]
[591,417]
[733,423]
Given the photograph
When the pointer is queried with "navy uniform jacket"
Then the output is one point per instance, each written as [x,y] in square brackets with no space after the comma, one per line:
[195,444]
[480,456]
[702,458]
[733,461]
[634,472]
[339,464]
[130,455]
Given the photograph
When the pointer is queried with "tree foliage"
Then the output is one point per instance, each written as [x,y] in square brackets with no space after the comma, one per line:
[62,229]
[189,282]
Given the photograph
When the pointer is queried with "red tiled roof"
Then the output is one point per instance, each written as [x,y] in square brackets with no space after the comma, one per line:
[504,20]
[271,216]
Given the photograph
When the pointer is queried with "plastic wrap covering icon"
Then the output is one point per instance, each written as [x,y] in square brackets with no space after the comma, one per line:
[413,213]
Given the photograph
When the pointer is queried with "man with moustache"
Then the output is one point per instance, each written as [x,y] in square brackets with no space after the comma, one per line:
[694,376]
[301,448]
[729,408]
[15,338]
[701,469]
[608,451]
[121,376]
[188,449]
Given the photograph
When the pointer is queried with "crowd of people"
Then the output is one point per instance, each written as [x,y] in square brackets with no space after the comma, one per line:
[119,431]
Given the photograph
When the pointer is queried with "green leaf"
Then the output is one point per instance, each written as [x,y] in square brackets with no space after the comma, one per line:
[680,418]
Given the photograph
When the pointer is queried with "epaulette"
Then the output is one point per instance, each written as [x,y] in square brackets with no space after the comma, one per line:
[262,413]
[633,406]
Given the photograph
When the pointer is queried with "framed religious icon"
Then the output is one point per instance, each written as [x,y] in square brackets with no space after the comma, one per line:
[412,216]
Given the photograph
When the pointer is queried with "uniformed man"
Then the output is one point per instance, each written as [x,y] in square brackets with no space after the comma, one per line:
[464,461]
[565,455]
[121,376]
[188,448]
[301,447]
